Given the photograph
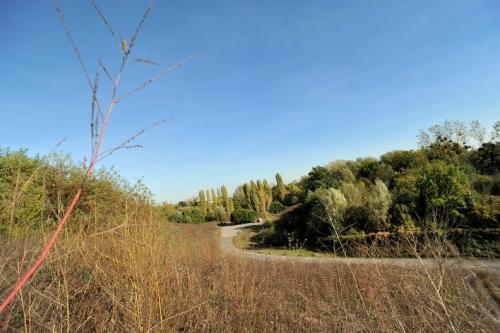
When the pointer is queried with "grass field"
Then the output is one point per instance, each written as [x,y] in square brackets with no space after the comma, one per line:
[164,278]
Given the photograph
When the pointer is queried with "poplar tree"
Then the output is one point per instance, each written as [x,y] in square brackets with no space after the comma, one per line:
[219,197]
[202,200]
[280,189]
[214,199]
[247,193]
[268,195]
[209,202]
[254,196]
[227,202]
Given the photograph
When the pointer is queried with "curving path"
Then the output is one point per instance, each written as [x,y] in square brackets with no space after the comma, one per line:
[229,231]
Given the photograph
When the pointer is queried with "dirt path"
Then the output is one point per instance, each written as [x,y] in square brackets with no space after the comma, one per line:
[228,232]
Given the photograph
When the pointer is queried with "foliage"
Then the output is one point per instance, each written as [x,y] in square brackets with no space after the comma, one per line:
[276,207]
[34,192]
[443,188]
[188,215]
[242,215]
[402,160]
[326,211]
[453,179]
[220,213]
[280,189]
[293,194]
[487,158]
[258,196]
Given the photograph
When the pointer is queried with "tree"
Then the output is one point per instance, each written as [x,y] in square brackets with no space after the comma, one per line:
[378,201]
[239,199]
[294,193]
[443,189]
[495,134]
[319,177]
[401,160]
[453,130]
[280,189]
[446,150]
[209,201]
[202,201]
[268,196]
[327,209]
[254,197]
[220,213]
[486,159]
[477,132]
[215,201]
[228,205]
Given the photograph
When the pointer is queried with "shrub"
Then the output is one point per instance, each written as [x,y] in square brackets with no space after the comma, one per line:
[487,158]
[401,160]
[326,211]
[293,194]
[276,207]
[242,215]
[485,184]
[188,215]
[442,189]
[220,213]
[378,203]
[272,236]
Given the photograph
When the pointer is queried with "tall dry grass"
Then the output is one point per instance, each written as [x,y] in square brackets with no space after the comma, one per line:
[161,278]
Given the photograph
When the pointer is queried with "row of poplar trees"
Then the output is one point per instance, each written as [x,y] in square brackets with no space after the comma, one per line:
[214,201]
[258,195]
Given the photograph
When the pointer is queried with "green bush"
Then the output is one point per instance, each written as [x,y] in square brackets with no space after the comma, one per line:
[487,158]
[188,215]
[276,207]
[484,184]
[272,236]
[242,215]
[443,188]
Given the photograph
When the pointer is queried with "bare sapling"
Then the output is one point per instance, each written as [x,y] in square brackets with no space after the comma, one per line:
[100,118]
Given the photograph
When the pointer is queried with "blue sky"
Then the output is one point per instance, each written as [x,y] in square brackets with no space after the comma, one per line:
[277,85]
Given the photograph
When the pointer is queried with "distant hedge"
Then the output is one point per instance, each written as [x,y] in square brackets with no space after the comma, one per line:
[241,215]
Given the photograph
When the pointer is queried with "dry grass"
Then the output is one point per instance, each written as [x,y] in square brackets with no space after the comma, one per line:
[162,278]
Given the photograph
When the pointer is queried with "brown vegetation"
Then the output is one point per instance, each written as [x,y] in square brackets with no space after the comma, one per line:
[163,277]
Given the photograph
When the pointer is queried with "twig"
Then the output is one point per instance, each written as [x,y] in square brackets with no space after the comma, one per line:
[156,77]
[105,70]
[106,22]
[126,144]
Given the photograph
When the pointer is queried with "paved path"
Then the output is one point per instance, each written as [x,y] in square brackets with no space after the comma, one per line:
[229,231]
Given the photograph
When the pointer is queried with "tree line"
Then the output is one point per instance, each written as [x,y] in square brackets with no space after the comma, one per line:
[452,181]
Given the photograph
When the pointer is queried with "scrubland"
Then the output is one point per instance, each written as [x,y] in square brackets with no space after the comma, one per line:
[161,277]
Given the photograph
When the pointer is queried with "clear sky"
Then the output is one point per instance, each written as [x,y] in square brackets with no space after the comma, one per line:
[278,85]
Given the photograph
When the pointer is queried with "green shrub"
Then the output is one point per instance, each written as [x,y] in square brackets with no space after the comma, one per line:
[442,189]
[276,207]
[242,215]
[272,236]
[483,183]
[487,158]
[188,215]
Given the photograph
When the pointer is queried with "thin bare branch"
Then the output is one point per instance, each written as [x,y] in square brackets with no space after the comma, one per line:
[127,143]
[72,41]
[133,38]
[156,77]
[94,119]
[105,70]
[147,61]
[106,22]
